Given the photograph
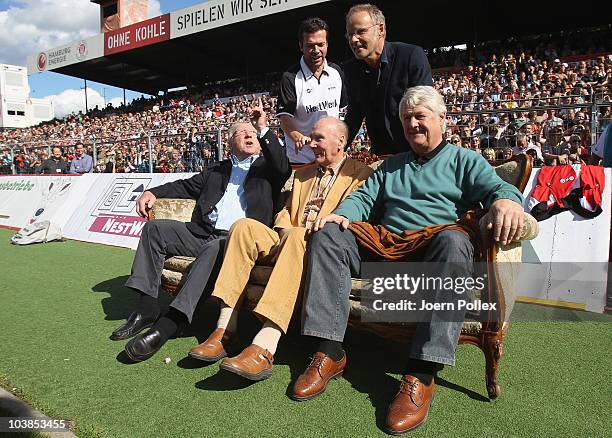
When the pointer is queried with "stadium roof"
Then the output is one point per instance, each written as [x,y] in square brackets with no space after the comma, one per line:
[222,39]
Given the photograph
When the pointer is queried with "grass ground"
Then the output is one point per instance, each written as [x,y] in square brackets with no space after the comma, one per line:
[60,301]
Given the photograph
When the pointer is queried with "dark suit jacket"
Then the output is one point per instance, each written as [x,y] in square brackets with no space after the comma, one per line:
[407,66]
[50,166]
[262,186]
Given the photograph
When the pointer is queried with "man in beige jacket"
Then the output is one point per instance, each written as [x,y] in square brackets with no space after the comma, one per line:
[317,190]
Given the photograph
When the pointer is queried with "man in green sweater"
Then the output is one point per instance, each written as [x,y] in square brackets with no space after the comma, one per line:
[434,183]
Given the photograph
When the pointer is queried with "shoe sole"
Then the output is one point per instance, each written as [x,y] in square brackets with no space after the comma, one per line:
[310,397]
[131,335]
[262,375]
[134,358]
[403,431]
[211,359]
[139,358]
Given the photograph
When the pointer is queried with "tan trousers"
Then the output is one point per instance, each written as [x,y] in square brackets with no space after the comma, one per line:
[250,241]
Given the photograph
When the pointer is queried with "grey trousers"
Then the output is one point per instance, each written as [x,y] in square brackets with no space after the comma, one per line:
[334,255]
[163,238]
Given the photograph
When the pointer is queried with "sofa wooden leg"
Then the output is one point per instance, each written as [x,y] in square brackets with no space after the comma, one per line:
[493,350]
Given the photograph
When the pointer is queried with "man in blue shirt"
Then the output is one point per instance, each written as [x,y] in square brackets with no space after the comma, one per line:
[82,163]
[246,185]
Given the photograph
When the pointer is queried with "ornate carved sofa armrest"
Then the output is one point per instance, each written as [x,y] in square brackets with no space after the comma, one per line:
[170,208]
[507,261]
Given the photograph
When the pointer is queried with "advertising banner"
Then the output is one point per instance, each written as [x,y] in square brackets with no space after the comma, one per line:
[568,248]
[108,215]
[28,199]
[76,51]
[217,13]
[137,35]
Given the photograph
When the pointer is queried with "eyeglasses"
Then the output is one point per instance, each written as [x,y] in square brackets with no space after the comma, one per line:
[359,32]
[244,132]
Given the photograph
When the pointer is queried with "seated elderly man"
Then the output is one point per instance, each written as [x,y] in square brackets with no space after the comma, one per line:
[317,190]
[246,185]
[434,183]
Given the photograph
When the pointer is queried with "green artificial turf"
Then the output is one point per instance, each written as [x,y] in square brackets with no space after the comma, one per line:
[60,301]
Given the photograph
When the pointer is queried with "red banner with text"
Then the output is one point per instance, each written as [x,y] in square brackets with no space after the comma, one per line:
[137,35]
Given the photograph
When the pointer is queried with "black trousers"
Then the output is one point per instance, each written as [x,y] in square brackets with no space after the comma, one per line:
[163,238]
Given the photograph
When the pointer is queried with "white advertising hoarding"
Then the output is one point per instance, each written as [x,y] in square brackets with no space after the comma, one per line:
[108,213]
[67,54]
[566,264]
[216,13]
[28,199]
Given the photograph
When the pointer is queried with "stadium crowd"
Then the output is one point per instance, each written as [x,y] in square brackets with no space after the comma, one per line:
[490,104]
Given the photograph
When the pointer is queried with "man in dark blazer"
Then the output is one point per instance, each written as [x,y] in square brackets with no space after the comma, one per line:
[246,185]
[378,77]
[54,164]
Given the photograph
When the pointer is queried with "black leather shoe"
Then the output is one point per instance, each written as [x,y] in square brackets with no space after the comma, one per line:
[144,346]
[134,325]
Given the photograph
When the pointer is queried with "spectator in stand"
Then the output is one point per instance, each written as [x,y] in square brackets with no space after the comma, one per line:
[577,154]
[176,163]
[122,163]
[81,163]
[22,165]
[36,159]
[489,155]
[506,153]
[377,78]
[552,121]
[55,164]
[494,139]
[554,152]
[162,165]
[523,146]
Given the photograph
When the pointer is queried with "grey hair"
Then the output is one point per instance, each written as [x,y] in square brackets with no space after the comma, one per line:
[375,14]
[424,95]
[234,127]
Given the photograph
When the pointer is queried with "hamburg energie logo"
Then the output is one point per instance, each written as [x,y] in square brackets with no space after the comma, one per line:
[42,61]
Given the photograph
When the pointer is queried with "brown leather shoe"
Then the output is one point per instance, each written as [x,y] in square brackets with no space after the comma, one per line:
[254,363]
[410,407]
[313,381]
[213,348]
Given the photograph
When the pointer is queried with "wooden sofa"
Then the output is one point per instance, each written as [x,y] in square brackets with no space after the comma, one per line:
[488,336]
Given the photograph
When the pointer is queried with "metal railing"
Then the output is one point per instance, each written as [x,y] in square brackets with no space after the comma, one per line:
[144,147]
